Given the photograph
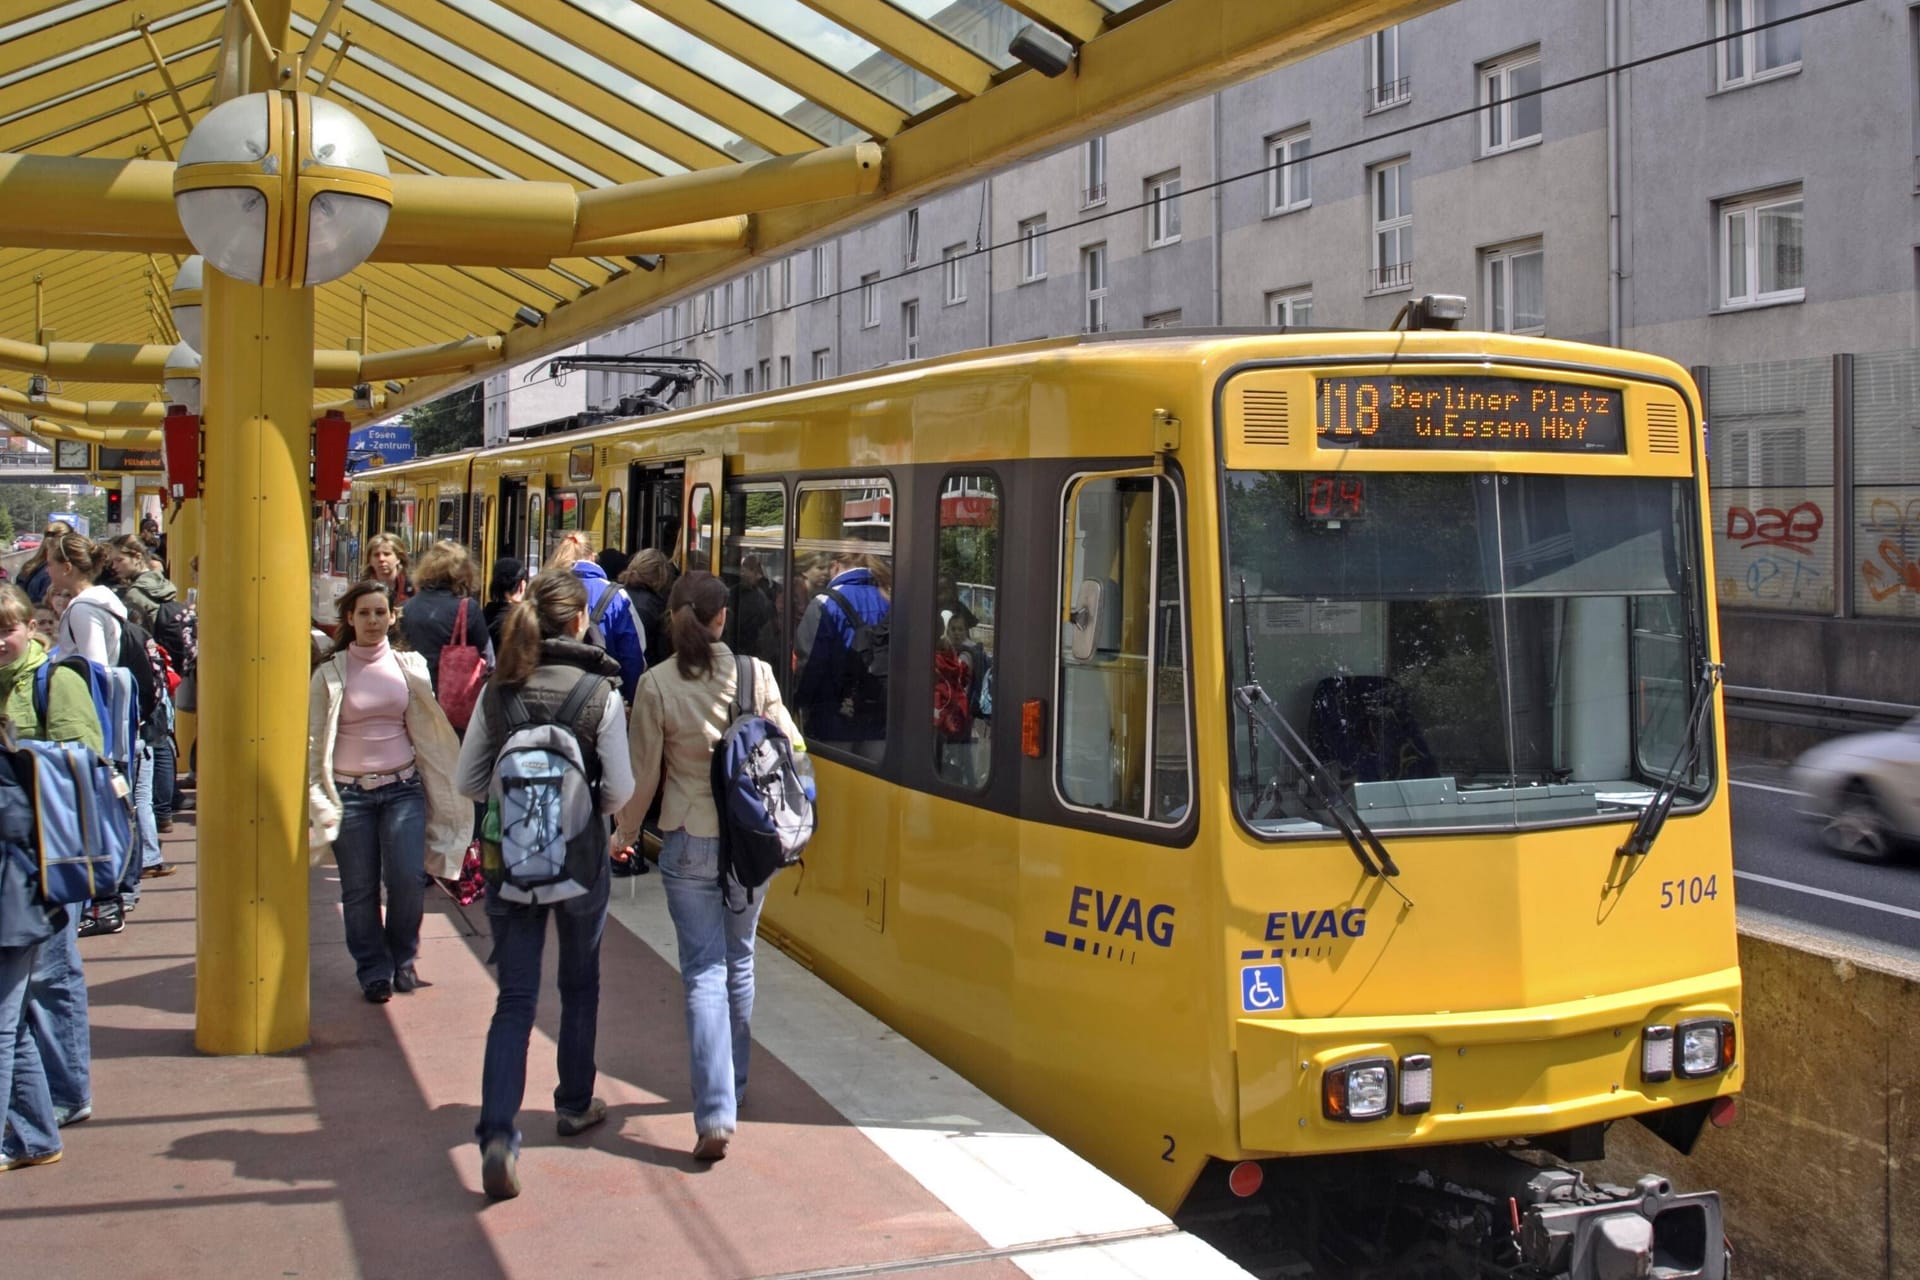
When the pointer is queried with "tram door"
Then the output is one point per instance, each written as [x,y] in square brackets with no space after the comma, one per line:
[512,540]
[655,508]
[702,508]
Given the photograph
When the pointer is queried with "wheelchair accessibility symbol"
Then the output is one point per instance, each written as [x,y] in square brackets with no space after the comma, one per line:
[1263,988]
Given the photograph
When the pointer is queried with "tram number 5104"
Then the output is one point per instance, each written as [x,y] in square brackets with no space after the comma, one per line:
[1688,893]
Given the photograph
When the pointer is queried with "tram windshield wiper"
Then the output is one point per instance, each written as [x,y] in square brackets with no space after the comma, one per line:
[1646,828]
[1263,712]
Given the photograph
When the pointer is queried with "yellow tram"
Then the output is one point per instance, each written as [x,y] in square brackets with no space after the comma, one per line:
[1318,803]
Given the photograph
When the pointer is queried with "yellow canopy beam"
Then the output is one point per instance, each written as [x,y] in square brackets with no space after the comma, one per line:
[93,413]
[1077,20]
[126,362]
[113,437]
[826,174]
[695,237]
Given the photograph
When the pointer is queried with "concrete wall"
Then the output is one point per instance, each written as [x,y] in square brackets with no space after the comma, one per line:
[1857,658]
[1819,1173]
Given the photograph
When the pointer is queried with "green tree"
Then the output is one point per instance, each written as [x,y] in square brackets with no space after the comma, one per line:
[447,425]
[6,529]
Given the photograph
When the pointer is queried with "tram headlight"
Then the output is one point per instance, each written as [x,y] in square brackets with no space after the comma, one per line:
[1656,1054]
[1416,1084]
[1358,1090]
[1706,1047]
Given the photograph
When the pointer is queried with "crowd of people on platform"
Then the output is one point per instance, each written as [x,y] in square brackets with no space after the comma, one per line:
[626,655]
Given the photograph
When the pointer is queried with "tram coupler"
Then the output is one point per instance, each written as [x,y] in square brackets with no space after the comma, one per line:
[1583,1231]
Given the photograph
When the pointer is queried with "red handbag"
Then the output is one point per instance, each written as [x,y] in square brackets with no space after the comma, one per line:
[463,673]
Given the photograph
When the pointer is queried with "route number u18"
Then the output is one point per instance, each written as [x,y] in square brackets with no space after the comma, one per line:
[1688,893]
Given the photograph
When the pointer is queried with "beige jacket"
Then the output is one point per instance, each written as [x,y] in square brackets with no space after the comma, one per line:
[676,724]
[435,748]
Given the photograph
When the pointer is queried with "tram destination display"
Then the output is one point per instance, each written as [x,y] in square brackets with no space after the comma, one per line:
[1465,411]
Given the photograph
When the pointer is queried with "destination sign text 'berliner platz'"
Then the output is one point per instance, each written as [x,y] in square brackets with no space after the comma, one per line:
[1393,411]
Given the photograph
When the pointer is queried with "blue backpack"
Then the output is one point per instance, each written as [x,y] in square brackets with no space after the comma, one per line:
[81,833]
[763,792]
[115,702]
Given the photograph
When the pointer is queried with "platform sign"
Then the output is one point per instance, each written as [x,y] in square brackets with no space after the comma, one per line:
[129,461]
[377,446]
[1263,988]
[74,521]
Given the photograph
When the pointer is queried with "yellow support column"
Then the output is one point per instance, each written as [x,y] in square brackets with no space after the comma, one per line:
[257,385]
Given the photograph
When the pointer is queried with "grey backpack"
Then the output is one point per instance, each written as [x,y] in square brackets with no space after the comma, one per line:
[552,838]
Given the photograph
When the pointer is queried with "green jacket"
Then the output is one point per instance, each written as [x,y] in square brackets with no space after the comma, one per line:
[70,714]
[145,594]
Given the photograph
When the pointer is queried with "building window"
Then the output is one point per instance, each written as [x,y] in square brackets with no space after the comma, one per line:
[1163,320]
[954,267]
[726,384]
[1760,258]
[822,272]
[726,305]
[766,375]
[913,236]
[712,311]
[1033,250]
[753,294]
[822,364]
[870,300]
[786,371]
[1163,209]
[1289,186]
[1387,83]
[1093,269]
[910,329]
[1514,280]
[786,281]
[1290,307]
[746,382]
[1747,55]
[1093,172]
[1392,227]
[1510,120]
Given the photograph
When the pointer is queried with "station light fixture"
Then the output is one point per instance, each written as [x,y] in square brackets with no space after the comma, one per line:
[645,261]
[181,380]
[395,388]
[180,432]
[184,299]
[1043,50]
[37,388]
[282,188]
[528,316]
[1358,1090]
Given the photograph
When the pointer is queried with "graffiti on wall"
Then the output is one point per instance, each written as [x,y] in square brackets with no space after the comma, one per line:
[1773,550]
[1893,529]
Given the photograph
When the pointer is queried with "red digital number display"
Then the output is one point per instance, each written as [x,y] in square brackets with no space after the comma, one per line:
[1333,497]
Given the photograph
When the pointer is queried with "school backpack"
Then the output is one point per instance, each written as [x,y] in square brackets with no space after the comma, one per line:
[764,795]
[115,703]
[176,629]
[551,838]
[82,828]
[865,692]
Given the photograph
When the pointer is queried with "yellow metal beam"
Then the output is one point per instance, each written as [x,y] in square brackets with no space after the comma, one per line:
[924,48]
[38,129]
[784,64]
[317,38]
[827,174]
[696,237]
[112,437]
[111,22]
[128,362]
[160,64]
[611,43]
[58,202]
[93,413]
[60,80]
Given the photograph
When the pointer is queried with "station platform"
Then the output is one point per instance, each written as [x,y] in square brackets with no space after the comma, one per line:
[857,1156]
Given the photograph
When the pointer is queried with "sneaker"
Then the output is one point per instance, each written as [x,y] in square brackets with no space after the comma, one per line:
[379,991]
[103,920]
[9,1163]
[79,1115]
[569,1123]
[713,1144]
[158,871]
[499,1169]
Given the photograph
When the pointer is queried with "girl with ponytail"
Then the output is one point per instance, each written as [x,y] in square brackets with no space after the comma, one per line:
[542,656]
[680,711]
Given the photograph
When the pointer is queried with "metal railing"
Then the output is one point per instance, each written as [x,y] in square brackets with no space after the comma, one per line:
[1093,194]
[1390,94]
[1396,275]
[1816,710]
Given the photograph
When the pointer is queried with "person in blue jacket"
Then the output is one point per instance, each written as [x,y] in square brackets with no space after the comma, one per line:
[841,694]
[618,628]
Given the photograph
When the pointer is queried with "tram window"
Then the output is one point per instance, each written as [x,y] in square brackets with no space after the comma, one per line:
[404,527]
[843,539]
[536,531]
[753,548]
[446,520]
[614,533]
[700,528]
[480,508]
[1122,710]
[968,548]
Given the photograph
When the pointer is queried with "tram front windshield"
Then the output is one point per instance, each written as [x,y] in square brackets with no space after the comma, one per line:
[1464,650]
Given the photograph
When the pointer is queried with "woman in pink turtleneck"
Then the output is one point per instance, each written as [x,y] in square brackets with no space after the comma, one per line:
[380,764]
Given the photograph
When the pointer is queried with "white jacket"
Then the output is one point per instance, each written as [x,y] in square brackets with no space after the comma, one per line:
[435,748]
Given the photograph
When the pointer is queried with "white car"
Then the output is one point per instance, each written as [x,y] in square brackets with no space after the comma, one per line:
[1866,788]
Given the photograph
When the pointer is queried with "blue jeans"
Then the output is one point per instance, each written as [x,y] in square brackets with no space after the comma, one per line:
[164,777]
[31,1129]
[519,934]
[383,837]
[57,1019]
[716,967]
